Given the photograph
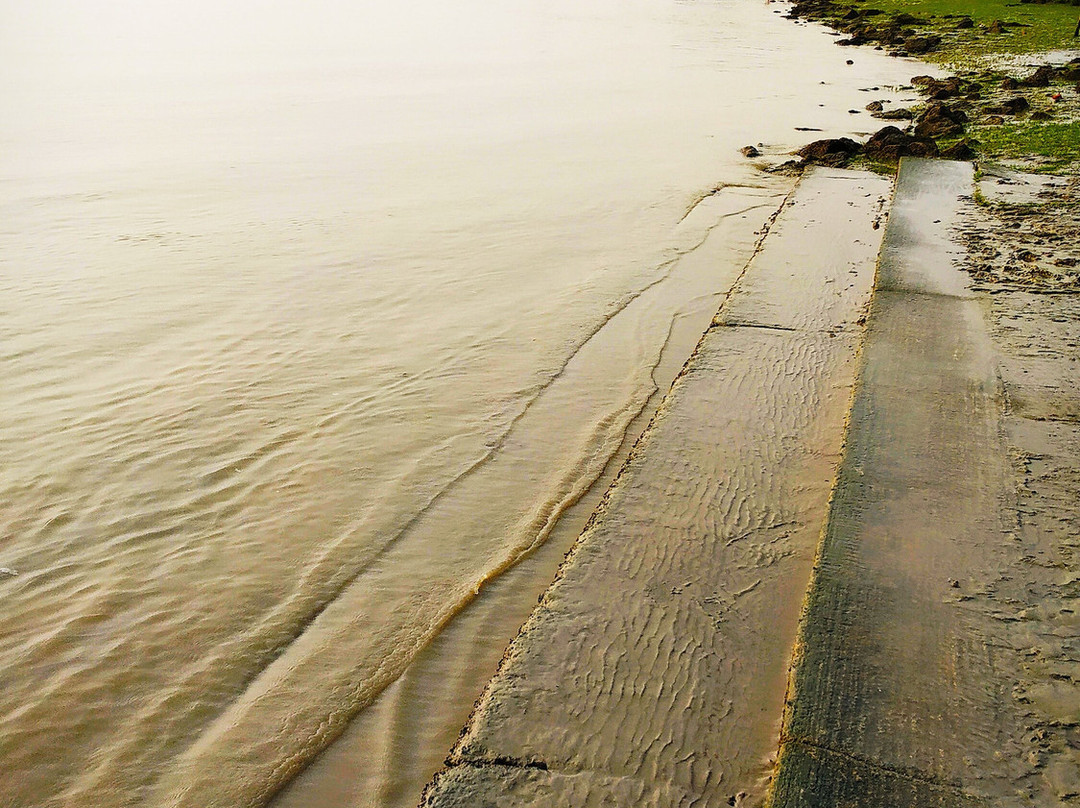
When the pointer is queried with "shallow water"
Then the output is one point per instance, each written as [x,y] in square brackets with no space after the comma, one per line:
[313,320]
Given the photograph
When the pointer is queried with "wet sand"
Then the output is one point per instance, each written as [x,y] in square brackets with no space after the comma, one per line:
[654,669]
[1032,308]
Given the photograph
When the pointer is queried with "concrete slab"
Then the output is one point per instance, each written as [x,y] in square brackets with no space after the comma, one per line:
[654,669]
[897,697]
[919,251]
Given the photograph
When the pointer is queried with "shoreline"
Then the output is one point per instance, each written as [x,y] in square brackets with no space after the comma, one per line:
[500,609]
[1016,250]
[1022,107]
[333,762]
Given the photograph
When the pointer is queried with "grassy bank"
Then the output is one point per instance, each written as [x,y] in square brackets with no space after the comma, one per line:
[1056,144]
[1009,113]
[1029,28]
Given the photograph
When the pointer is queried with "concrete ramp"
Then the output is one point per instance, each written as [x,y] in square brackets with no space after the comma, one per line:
[896,698]
[653,672]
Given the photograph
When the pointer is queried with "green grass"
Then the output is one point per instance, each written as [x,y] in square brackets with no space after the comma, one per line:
[1057,143]
[1051,25]
[863,163]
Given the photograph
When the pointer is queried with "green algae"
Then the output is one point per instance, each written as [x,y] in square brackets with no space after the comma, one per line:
[1057,145]
[1029,28]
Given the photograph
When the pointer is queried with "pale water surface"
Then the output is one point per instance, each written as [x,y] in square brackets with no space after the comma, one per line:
[315,317]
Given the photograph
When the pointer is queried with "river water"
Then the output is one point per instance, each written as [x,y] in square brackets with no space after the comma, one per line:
[314,319]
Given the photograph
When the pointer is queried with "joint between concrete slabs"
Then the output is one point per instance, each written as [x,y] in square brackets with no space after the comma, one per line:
[812,775]
[911,775]
[889,289]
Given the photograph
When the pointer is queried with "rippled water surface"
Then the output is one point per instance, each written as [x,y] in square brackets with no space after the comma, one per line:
[314,318]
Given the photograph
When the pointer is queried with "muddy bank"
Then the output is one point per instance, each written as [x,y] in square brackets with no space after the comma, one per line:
[1023,241]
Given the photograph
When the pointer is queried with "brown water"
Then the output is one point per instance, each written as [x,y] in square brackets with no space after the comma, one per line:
[313,320]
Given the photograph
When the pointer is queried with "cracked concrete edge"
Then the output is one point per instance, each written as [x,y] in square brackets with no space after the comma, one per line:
[493,785]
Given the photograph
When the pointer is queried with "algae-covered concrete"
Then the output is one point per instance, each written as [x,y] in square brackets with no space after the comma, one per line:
[653,672]
[903,692]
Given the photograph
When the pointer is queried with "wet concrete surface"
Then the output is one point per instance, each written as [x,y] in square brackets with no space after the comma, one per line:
[653,672]
[911,685]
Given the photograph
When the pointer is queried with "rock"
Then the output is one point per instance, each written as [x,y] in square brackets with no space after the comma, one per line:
[965,22]
[1041,115]
[749,151]
[901,114]
[1012,106]
[921,44]
[789,167]
[1040,78]
[885,136]
[1069,72]
[907,19]
[954,112]
[940,89]
[921,81]
[920,148]
[830,151]
[940,120]
[890,144]
[996,27]
[875,106]
[993,120]
[1010,84]
[961,150]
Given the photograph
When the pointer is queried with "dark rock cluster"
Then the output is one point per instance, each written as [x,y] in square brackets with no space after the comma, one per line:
[901,32]
[936,120]
[952,104]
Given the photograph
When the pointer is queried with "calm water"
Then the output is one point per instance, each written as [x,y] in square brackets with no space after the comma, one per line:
[313,319]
